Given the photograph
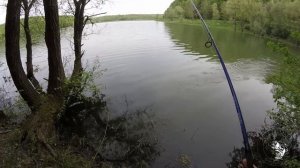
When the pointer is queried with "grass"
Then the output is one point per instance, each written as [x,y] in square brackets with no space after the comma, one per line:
[37,27]
[212,23]
[2,34]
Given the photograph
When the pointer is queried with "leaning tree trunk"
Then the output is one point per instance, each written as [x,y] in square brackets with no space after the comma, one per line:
[52,38]
[27,31]
[12,39]
[78,30]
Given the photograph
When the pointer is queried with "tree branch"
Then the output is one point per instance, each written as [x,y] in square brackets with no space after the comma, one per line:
[31,4]
[89,18]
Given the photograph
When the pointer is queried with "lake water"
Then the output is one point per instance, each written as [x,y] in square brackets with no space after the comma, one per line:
[166,69]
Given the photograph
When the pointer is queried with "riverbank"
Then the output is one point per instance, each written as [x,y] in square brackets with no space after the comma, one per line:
[176,69]
[133,17]
[37,25]
[229,25]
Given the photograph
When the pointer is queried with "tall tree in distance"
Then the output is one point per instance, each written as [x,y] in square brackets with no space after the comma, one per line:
[215,11]
[233,11]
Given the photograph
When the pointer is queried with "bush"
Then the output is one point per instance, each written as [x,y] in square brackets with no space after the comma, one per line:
[295,36]
[280,32]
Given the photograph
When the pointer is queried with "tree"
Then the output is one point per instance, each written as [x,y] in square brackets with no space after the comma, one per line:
[205,8]
[232,9]
[45,107]
[179,11]
[79,23]
[215,11]
[77,8]
[170,14]
[12,38]
[27,7]
[188,10]
[52,39]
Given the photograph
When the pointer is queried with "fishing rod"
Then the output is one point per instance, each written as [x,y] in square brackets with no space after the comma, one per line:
[208,44]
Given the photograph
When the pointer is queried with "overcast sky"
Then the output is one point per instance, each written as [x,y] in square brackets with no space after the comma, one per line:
[115,7]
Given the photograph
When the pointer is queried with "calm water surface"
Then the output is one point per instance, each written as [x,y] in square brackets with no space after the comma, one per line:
[165,69]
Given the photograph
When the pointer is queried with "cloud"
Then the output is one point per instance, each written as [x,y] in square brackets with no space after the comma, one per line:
[137,6]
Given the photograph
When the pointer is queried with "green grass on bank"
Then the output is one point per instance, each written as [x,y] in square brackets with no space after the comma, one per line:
[1,33]
[37,27]
[211,23]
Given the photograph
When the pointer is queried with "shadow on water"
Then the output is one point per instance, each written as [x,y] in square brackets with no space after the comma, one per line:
[86,124]
[124,140]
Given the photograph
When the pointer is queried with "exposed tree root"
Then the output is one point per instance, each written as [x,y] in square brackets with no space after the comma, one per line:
[40,127]
[48,147]
[5,132]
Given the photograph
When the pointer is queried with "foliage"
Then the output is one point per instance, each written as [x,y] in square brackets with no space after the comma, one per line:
[296,37]
[215,11]
[264,17]
[285,119]
[209,9]
[286,91]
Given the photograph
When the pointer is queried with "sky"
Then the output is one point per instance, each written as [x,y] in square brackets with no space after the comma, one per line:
[115,7]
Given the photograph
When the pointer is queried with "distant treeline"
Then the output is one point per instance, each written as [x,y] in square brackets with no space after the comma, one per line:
[37,23]
[110,18]
[278,18]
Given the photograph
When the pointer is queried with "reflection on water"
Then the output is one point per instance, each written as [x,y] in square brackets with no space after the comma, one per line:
[158,67]
[119,141]
[233,45]
[166,67]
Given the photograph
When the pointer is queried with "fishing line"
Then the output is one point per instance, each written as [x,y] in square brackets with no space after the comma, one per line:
[211,43]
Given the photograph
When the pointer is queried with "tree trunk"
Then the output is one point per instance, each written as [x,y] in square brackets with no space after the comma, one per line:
[242,26]
[29,64]
[52,38]
[78,30]
[12,39]
[235,22]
